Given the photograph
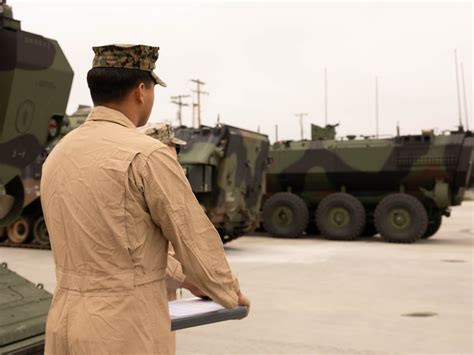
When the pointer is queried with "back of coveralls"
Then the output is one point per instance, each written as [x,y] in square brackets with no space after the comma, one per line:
[113,198]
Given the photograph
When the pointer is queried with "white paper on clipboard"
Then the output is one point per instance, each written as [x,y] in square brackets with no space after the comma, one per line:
[191,307]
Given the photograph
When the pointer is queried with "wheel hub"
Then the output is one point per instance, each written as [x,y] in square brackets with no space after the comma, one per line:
[400,218]
[18,231]
[40,231]
[282,216]
[339,217]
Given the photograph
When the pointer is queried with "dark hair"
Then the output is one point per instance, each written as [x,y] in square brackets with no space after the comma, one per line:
[113,84]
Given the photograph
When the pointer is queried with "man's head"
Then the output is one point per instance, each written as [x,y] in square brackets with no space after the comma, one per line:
[122,77]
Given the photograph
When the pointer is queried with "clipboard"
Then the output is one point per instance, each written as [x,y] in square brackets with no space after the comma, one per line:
[193,312]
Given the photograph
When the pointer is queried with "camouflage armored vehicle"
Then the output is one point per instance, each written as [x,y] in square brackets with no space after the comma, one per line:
[23,310]
[35,79]
[400,187]
[226,167]
[29,229]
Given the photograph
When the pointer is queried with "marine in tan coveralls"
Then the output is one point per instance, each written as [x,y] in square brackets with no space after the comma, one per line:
[113,200]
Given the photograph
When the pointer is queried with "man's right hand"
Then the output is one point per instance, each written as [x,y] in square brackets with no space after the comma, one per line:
[244,301]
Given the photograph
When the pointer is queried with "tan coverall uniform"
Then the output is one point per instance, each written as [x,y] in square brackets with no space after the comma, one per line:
[113,199]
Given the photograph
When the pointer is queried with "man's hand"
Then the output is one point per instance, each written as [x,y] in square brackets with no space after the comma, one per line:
[191,287]
[244,301]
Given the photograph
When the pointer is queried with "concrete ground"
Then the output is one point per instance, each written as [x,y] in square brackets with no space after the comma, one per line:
[312,296]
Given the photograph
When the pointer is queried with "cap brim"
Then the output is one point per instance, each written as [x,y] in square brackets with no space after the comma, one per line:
[157,79]
[178,141]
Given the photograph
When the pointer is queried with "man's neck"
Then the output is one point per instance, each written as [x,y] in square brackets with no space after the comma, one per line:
[124,109]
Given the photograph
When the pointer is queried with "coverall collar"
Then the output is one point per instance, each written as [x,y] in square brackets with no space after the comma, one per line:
[102,113]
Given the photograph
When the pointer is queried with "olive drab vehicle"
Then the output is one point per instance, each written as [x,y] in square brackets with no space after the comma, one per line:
[35,80]
[29,229]
[23,310]
[226,167]
[400,187]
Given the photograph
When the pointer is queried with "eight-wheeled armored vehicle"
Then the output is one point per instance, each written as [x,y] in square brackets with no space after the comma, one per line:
[400,187]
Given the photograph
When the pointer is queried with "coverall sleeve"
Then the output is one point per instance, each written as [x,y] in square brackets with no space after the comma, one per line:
[174,273]
[175,209]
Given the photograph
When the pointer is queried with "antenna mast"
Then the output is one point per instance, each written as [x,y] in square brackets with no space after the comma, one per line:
[376,107]
[457,87]
[465,100]
[325,97]
[301,116]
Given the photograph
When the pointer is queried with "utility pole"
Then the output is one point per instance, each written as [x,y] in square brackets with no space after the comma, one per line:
[457,87]
[177,100]
[194,105]
[376,107]
[465,100]
[199,92]
[301,116]
[325,97]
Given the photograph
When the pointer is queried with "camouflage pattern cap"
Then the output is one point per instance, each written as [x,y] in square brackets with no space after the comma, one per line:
[163,132]
[129,56]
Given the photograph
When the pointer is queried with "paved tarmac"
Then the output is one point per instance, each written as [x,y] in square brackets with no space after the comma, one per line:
[312,296]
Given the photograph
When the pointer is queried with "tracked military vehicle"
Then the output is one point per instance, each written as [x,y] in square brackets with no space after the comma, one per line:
[399,187]
[29,229]
[35,80]
[226,167]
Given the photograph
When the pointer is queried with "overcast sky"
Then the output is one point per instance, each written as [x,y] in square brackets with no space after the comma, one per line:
[264,61]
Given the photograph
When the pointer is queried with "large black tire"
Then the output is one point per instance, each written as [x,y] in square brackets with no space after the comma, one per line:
[340,216]
[285,215]
[40,232]
[433,227]
[401,218]
[19,231]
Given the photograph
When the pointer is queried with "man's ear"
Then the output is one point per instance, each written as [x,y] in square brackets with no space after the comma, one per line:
[140,93]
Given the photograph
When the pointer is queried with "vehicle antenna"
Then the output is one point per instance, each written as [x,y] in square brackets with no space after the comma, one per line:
[178,100]
[199,92]
[276,133]
[465,100]
[218,119]
[398,129]
[325,97]
[301,116]
[457,88]
[376,107]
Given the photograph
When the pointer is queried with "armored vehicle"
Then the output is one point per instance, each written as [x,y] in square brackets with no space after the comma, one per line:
[29,229]
[23,310]
[35,80]
[226,167]
[400,187]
